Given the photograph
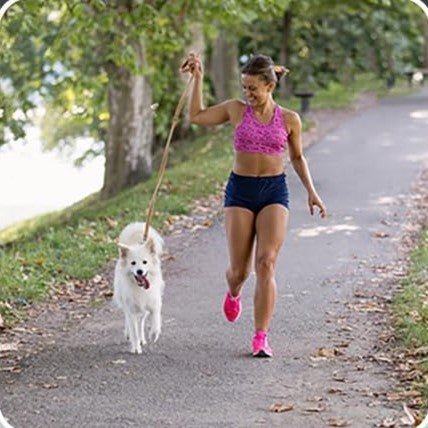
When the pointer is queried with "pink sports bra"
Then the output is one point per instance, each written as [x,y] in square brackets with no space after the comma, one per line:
[253,136]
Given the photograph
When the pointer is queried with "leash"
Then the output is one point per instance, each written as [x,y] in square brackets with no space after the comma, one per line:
[164,160]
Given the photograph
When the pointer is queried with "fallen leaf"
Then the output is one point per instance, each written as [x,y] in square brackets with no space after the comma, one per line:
[387,423]
[7,347]
[111,223]
[381,235]
[280,407]
[50,385]
[11,369]
[318,409]
[368,307]
[399,396]
[337,423]
[333,390]
[315,399]
[329,352]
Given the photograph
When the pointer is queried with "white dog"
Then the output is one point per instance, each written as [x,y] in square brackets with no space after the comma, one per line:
[138,283]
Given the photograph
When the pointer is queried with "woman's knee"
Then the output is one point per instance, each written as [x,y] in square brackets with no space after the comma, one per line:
[265,265]
[237,275]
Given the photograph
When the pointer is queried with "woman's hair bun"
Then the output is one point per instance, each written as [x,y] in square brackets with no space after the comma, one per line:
[280,71]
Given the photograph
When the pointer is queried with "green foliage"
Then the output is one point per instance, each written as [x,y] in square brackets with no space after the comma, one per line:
[337,40]
[59,53]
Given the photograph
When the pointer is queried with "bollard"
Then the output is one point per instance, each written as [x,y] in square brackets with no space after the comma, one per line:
[305,97]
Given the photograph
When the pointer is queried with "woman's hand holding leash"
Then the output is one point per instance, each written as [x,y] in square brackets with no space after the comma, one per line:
[193,65]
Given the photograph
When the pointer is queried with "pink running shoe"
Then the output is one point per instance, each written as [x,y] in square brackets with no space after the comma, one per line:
[232,307]
[261,349]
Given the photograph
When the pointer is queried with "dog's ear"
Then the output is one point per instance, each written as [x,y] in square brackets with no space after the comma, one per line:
[151,246]
[123,250]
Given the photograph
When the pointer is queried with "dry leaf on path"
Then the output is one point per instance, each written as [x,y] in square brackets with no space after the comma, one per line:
[400,396]
[381,235]
[7,347]
[333,390]
[50,385]
[11,369]
[338,423]
[318,409]
[281,407]
[387,423]
[367,307]
[328,352]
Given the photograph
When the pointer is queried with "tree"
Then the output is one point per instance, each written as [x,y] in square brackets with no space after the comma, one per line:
[95,65]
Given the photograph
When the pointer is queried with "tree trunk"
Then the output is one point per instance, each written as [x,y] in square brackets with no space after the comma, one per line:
[284,53]
[130,130]
[197,46]
[225,67]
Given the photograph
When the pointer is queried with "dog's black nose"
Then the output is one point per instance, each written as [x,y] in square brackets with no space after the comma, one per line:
[139,272]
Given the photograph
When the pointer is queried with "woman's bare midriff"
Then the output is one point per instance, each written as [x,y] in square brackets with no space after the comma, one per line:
[258,165]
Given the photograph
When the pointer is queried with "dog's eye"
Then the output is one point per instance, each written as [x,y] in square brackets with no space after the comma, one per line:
[144,262]
[133,263]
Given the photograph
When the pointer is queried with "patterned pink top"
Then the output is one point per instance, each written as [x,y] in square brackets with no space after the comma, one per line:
[252,136]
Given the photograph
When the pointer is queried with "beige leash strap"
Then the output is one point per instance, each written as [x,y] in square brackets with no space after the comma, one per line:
[164,160]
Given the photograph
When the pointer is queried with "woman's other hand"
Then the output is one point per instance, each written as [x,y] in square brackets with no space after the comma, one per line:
[315,200]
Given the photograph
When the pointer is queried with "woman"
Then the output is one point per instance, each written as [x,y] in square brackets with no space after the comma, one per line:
[256,195]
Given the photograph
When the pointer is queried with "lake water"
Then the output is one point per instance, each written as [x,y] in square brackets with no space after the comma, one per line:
[33,182]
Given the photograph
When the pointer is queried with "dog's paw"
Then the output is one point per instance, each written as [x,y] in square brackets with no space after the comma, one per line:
[154,335]
[136,349]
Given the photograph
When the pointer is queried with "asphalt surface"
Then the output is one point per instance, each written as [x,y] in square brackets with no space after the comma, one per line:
[200,373]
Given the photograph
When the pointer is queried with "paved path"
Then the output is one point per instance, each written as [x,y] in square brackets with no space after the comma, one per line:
[200,373]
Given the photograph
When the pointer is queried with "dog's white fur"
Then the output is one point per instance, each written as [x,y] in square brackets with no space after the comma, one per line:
[138,263]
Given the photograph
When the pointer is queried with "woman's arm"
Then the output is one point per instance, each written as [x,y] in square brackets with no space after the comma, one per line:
[214,115]
[300,164]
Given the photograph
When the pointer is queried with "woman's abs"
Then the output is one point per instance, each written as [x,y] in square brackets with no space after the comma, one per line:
[257,165]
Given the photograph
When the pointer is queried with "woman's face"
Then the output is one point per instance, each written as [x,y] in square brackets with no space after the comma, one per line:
[255,90]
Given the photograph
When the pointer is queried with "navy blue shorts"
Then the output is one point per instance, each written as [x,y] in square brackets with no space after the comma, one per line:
[255,193]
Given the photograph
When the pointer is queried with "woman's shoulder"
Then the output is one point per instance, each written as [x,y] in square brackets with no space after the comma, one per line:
[236,109]
[236,104]
[290,117]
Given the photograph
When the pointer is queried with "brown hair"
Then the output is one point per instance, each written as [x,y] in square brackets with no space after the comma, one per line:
[264,67]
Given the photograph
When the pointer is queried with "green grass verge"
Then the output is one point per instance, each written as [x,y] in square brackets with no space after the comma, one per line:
[78,241]
[411,308]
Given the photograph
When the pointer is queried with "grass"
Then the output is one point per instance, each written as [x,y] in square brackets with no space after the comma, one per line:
[79,241]
[411,308]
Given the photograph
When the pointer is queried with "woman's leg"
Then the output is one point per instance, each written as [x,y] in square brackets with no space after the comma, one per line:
[240,232]
[271,225]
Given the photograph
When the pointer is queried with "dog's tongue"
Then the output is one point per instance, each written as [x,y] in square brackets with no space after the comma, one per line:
[142,281]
